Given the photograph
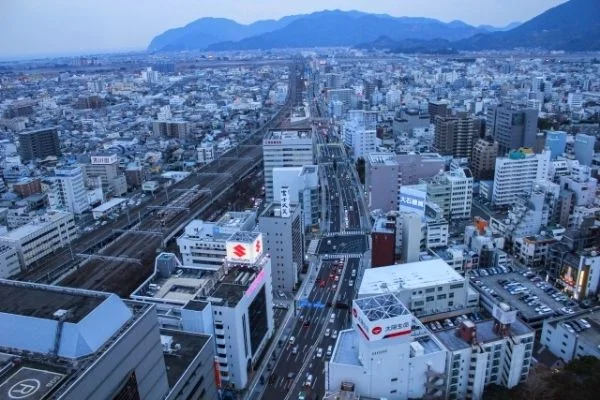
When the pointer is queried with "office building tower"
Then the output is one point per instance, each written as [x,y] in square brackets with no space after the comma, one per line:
[77,344]
[383,242]
[302,184]
[438,108]
[581,183]
[575,100]
[206,153]
[359,133]
[483,159]
[511,127]
[39,144]
[202,243]
[387,354]
[234,303]
[67,190]
[414,167]
[283,234]
[514,175]
[584,148]
[452,191]
[454,135]
[556,142]
[287,148]
[333,81]
[480,353]
[537,84]
[345,96]
[105,166]
[382,181]
[41,236]
[134,176]
[170,129]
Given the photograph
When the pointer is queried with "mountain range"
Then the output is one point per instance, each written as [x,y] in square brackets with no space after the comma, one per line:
[571,26]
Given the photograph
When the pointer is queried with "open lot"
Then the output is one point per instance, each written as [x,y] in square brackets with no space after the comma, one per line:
[531,295]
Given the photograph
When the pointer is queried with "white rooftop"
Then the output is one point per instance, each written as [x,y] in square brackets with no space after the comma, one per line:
[109,204]
[35,225]
[396,278]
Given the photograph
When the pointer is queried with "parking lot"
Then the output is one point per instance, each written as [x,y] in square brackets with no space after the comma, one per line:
[450,323]
[524,291]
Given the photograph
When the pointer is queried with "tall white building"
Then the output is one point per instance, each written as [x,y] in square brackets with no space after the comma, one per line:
[387,354]
[41,236]
[452,191]
[303,189]
[359,133]
[202,243]
[287,148]
[67,190]
[515,175]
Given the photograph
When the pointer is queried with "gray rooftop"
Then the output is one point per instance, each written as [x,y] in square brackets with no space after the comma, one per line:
[381,307]
[485,334]
[346,349]
[178,361]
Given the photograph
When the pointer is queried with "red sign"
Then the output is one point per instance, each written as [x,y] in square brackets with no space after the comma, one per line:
[239,250]
[258,246]
[376,330]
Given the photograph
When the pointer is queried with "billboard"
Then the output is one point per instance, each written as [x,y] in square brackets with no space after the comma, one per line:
[385,328]
[412,199]
[244,251]
[285,202]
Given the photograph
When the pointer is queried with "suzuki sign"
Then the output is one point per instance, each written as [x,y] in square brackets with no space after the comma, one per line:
[244,252]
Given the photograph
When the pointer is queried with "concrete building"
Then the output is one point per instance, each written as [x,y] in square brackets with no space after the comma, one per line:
[39,144]
[202,243]
[80,344]
[584,148]
[67,190]
[284,242]
[425,287]
[106,167]
[411,236]
[496,351]
[577,272]
[27,186]
[414,167]
[454,135]
[170,129]
[134,175]
[41,236]
[483,159]
[345,97]
[512,127]
[287,148]
[9,262]
[556,142]
[382,181]
[452,191]
[581,183]
[439,108]
[303,187]
[359,133]
[570,337]
[383,242]
[206,153]
[387,354]
[514,175]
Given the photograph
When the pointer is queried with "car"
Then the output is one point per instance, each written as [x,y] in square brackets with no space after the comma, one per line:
[568,327]
[351,283]
[306,324]
[337,278]
[301,396]
[292,340]
[584,323]
[319,352]
[309,380]
[290,375]
[334,334]
[438,325]
[295,349]
[567,310]
[329,350]
[433,326]
[332,318]
[576,325]
[327,332]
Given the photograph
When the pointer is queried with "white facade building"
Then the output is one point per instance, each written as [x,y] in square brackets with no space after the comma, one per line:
[9,262]
[453,192]
[359,133]
[515,175]
[41,236]
[303,188]
[388,353]
[206,153]
[67,190]
[560,337]
[288,148]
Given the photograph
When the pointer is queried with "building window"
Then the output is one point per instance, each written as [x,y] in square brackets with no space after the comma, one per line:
[394,379]
[441,296]
[429,298]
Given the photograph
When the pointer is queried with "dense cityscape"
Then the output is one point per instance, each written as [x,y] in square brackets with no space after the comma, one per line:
[336,222]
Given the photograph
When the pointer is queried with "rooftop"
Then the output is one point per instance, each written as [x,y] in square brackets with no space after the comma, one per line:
[485,334]
[381,307]
[180,348]
[288,134]
[232,286]
[383,225]
[346,348]
[383,159]
[43,301]
[273,210]
[399,277]
[591,337]
[33,226]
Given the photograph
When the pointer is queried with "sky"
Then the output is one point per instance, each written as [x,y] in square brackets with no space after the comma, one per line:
[56,27]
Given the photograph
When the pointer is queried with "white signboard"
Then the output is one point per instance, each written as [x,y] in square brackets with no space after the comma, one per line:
[285,202]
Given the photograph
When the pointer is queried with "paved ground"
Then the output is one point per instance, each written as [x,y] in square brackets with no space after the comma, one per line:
[343,244]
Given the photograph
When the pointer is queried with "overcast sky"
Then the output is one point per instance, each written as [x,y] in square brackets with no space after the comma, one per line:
[38,27]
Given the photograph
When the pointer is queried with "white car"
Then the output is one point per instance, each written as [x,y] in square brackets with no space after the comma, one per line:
[335,333]
[327,332]
[319,352]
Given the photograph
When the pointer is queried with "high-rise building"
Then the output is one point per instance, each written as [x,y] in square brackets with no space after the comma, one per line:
[454,135]
[512,127]
[170,129]
[39,144]
[411,236]
[383,239]
[333,81]
[359,133]
[302,184]
[515,175]
[452,191]
[382,181]
[287,148]
[584,148]
[106,167]
[438,108]
[556,142]
[284,241]
[414,167]
[77,344]
[344,96]
[483,159]
[67,190]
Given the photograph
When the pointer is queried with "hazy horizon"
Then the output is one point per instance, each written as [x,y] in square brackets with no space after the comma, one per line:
[38,28]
